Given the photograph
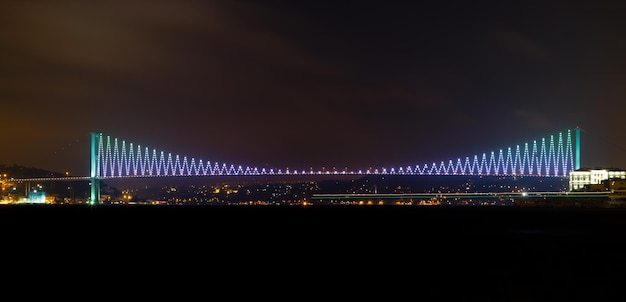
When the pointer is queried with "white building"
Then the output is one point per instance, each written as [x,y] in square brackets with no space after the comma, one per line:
[581,177]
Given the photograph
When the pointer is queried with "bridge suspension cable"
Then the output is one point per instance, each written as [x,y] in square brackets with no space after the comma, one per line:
[551,156]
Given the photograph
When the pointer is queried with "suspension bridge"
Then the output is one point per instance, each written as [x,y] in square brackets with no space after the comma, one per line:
[112,158]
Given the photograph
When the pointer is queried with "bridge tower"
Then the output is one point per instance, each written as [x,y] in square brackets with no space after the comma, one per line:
[577,158]
[95,169]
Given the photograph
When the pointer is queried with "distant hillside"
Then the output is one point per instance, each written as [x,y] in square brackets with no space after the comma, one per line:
[16,171]
[74,189]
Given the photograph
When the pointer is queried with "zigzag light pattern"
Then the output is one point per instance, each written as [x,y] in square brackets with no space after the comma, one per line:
[553,157]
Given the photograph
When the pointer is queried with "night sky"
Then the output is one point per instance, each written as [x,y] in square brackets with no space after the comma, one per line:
[310,84]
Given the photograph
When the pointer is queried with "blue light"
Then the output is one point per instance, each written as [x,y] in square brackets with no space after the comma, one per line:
[552,157]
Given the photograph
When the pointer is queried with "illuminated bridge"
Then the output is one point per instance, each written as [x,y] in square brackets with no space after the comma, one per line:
[552,156]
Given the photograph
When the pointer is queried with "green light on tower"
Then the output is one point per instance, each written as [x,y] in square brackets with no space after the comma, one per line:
[95,182]
[577,164]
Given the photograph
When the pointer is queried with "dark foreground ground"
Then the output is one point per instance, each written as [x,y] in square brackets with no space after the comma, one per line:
[335,253]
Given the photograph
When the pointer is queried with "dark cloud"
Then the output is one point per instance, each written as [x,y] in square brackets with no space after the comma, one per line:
[535,120]
[310,84]
[519,44]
